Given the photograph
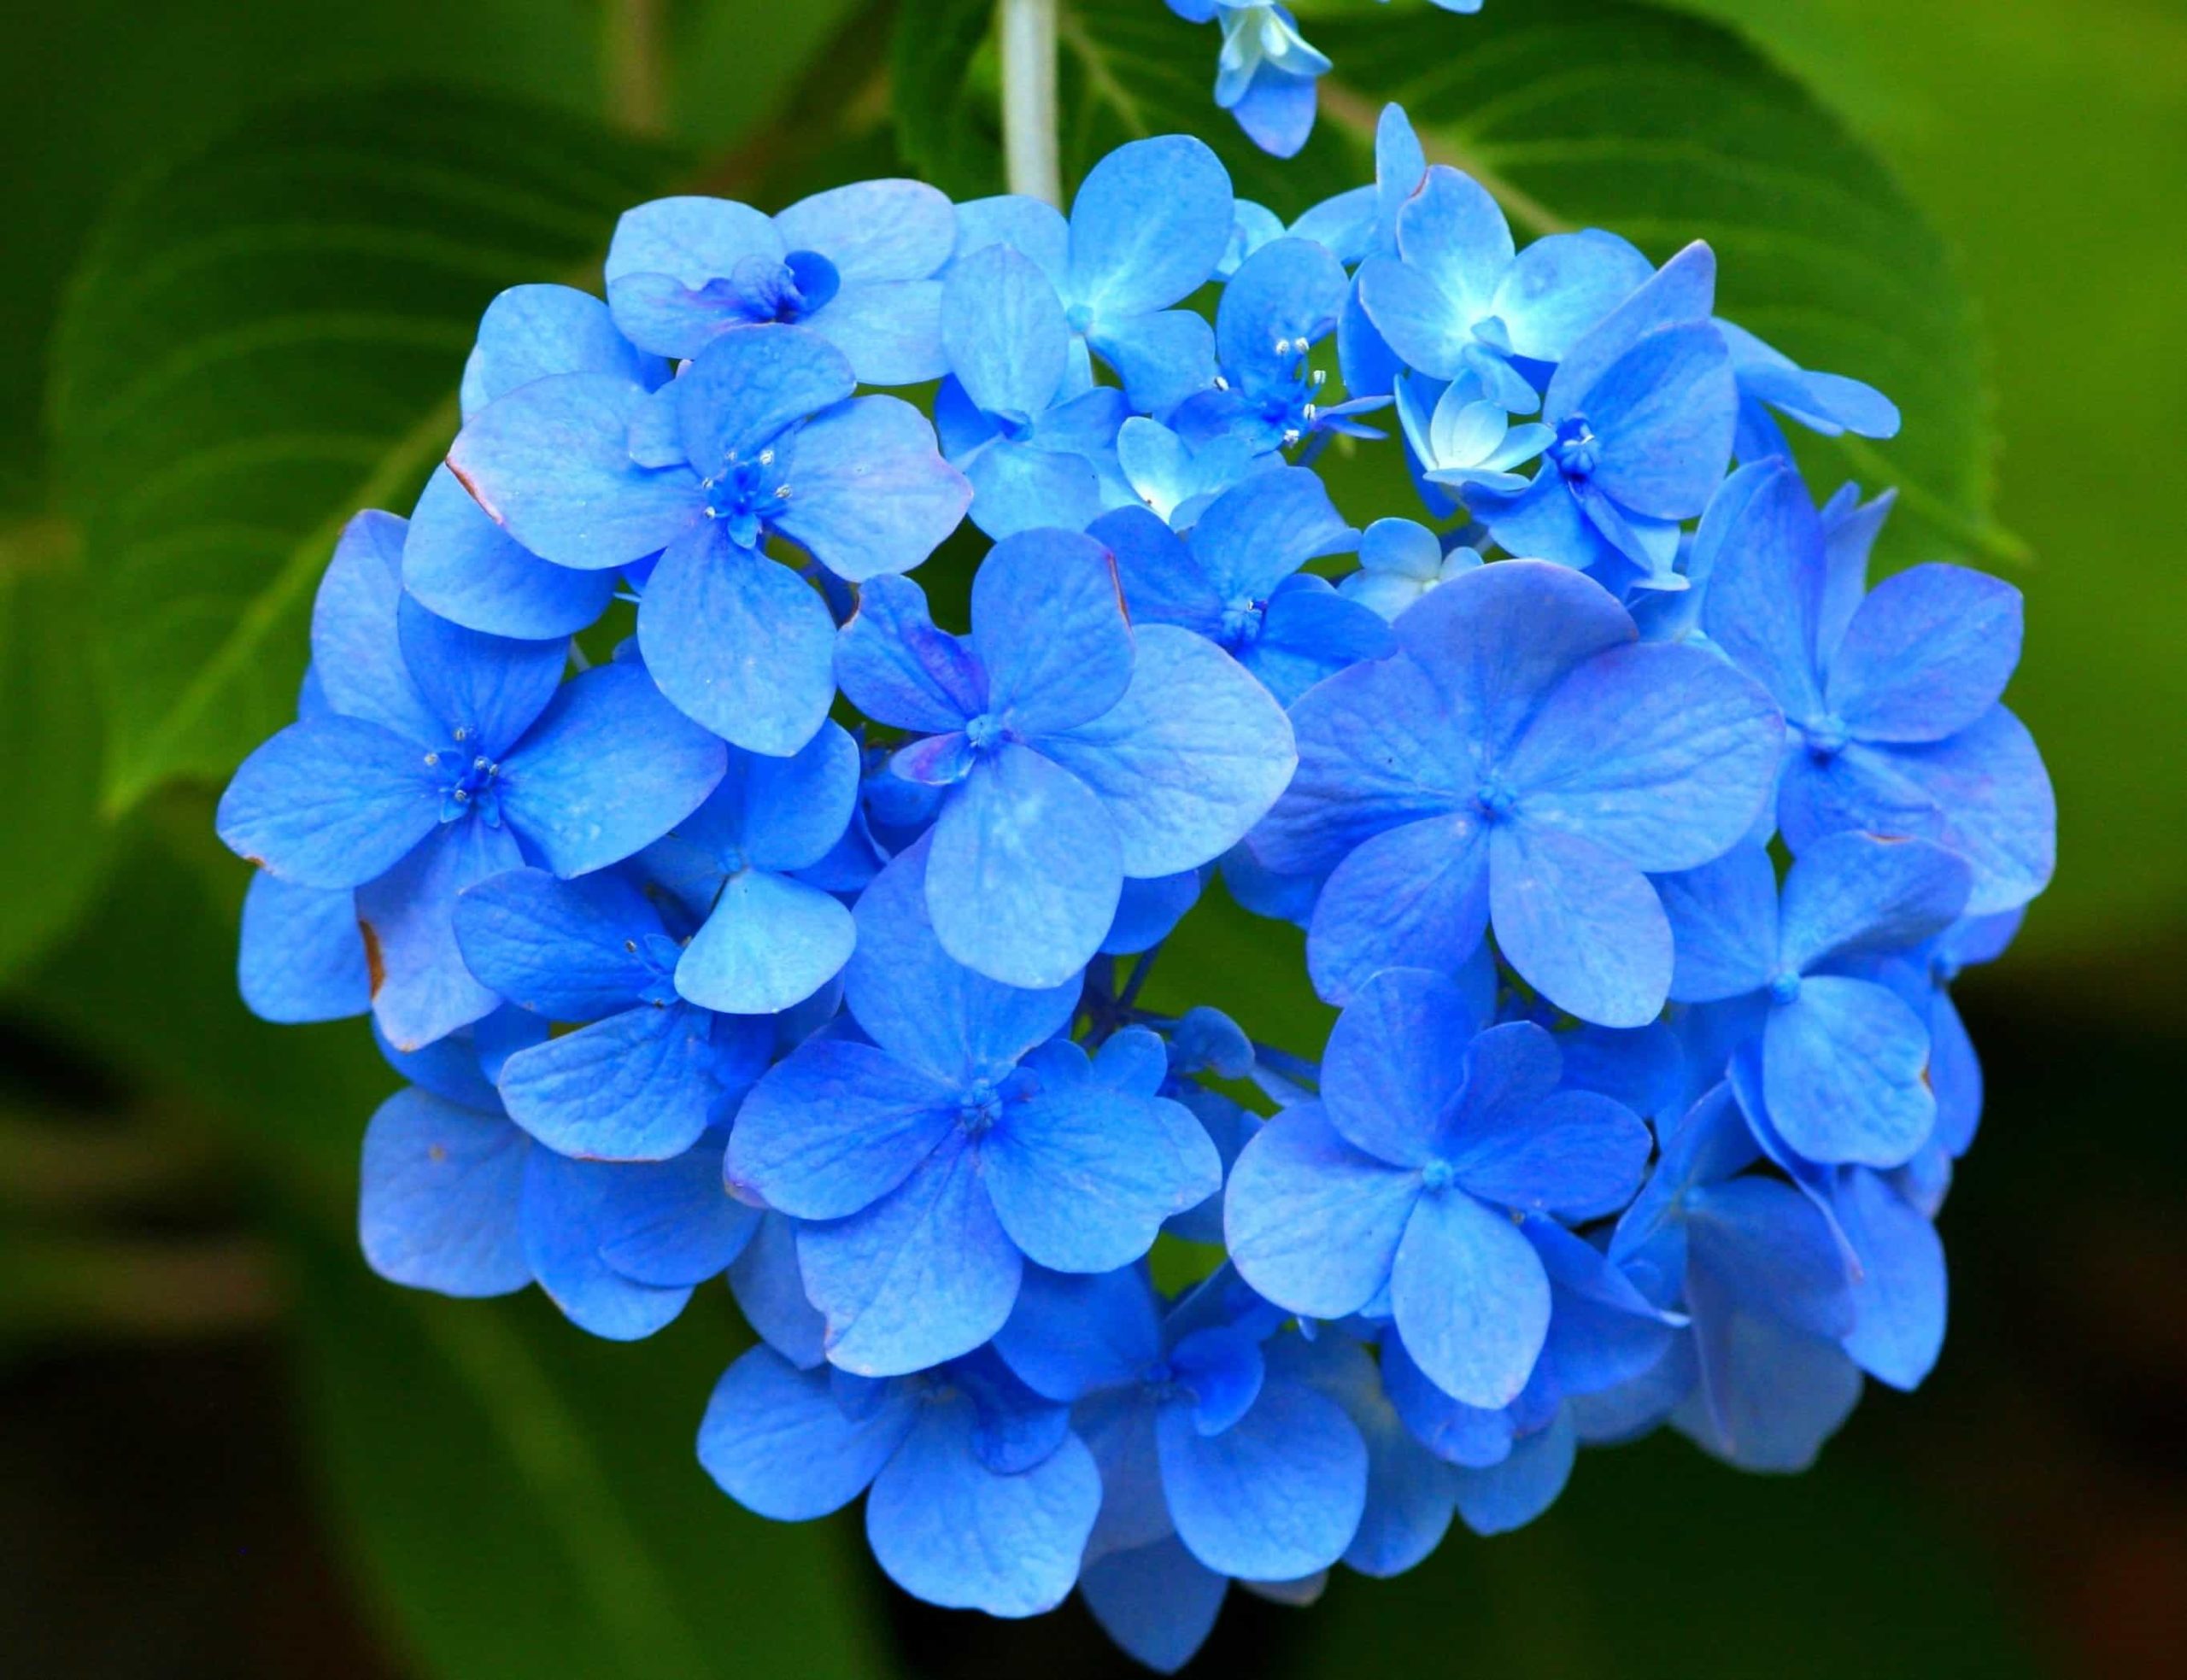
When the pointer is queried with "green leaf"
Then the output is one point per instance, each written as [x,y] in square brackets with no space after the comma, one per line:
[267,339]
[53,842]
[941,77]
[528,1499]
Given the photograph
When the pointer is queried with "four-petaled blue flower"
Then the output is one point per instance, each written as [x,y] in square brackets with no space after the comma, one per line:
[1401,1184]
[965,1139]
[1074,749]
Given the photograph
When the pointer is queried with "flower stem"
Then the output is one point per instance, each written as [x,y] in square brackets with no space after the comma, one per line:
[1026,33]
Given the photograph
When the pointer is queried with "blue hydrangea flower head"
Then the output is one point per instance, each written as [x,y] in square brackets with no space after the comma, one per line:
[854,264]
[932,1161]
[1235,580]
[1075,750]
[759,437]
[1400,1182]
[443,756]
[1892,695]
[1520,762]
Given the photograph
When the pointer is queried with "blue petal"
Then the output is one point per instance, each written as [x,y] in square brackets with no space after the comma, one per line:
[1766,592]
[747,387]
[1560,287]
[672,1223]
[1898,1298]
[1576,1154]
[1310,632]
[1414,897]
[1470,1299]
[1162,357]
[1020,487]
[1025,874]
[468,569]
[1004,328]
[1048,625]
[947,1530]
[636,1086]
[1452,1432]
[1026,224]
[609,768]
[1158,1602]
[1276,1497]
[1723,918]
[1761,1246]
[770,1294]
[1312,1223]
[1150,222]
[1161,579]
[1191,757]
[1682,291]
[835,1127]
[1083,1178]
[1841,1072]
[332,803]
[892,229]
[1290,289]
[1452,230]
[550,462]
[1926,654]
[530,332]
[1148,911]
[925,1274]
[769,942]
[437,1209]
[1683,775]
[301,957]
[889,331]
[1070,1336]
[897,668]
[926,1008]
[1276,110]
[409,918]
[1510,1495]
[482,692]
[664,252]
[777,1442]
[1255,535]
[560,949]
[1849,894]
[1665,411]
[869,493]
[563,1203]
[1580,925]
[356,661]
[1396,1064]
[1769,1394]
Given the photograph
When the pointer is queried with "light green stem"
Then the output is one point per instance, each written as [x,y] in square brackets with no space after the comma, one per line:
[1026,29]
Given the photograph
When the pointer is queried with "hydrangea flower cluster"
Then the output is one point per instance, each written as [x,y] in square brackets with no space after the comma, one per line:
[729,916]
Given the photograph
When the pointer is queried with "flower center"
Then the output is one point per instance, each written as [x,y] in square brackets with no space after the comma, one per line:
[1495,799]
[1438,1176]
[1826,738]
[1576,448]
[984,731]
[1079,318]
[1242,620]
[474,786]
[747,493]
[1784,988]
[979,1108]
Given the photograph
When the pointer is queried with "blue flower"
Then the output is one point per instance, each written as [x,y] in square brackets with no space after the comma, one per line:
[1461,444]
[1236,580]
[1176,479]
[1400,560]
[853,264]
[1760,1379]
[931,1162]
[1151,222]
[445,757]
[1283,301]
[1520,761]
[1892,696]
[1844,1059]
[980,1496]
[1644,405]
[300,954]
[1076,750]
[457,1199]
[1266,72]
[1209,1447]
[1457,299]
[1020,416]
[1403,1177]
[765,939]
[651,1073]
[759,437]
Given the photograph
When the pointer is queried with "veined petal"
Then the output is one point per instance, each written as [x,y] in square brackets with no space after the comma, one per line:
[636,1086]
[770,942]
[1842,1073]
[1149,225]
[777,1442]
[1311,1222]
[869,492]
[1470,1299]
[332,803]
[1582,926]
[835,1127]
[1048,625]
[1082,1179]
[438,1206]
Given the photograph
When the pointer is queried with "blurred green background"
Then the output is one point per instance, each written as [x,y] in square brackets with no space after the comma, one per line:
[227,1450]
